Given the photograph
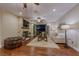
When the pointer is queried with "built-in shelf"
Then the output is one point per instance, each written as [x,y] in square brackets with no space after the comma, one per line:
[24,27]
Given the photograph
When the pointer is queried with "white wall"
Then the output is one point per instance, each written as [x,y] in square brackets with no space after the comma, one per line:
[11,25]
[0,29]
[72,17]
[55,34]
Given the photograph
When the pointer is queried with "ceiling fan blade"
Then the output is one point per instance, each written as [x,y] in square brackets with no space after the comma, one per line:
[24,5]
[36,3]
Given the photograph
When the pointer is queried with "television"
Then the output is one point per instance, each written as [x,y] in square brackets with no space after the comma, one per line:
[41,28]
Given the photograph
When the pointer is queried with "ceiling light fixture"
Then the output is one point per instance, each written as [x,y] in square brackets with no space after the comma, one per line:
[20,13]
[54,10]
[39,20]
[38,17]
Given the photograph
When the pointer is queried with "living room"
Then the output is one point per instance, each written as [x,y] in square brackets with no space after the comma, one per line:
[15,21]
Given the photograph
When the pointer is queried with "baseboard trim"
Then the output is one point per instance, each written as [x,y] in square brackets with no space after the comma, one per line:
[60,43]
[74,48]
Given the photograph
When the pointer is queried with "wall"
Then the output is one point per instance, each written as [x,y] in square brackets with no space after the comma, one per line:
[11,25]
[55,34]
[0,29]
[73,39]
[72,18]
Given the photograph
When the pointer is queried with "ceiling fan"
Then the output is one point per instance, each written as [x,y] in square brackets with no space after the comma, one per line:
[36,3]
[25,5]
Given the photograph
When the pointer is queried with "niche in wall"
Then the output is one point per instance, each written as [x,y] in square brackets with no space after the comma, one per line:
[25,24]
[25,28]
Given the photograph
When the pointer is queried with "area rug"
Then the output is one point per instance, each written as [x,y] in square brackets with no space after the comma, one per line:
[49,44]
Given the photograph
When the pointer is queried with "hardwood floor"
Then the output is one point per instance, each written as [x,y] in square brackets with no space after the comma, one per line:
[38,51]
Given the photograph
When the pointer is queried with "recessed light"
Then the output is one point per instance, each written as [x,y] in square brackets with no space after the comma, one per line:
[20,13]
[54,10]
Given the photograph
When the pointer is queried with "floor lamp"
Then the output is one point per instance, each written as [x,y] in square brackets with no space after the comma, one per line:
[65,27]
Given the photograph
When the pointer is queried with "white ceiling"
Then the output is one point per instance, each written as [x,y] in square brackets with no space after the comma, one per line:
[44,10]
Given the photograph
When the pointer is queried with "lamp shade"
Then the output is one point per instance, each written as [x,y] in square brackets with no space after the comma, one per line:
[65,27]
